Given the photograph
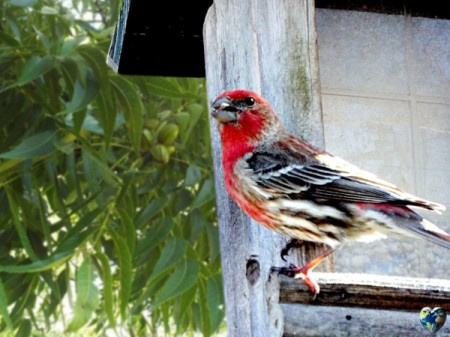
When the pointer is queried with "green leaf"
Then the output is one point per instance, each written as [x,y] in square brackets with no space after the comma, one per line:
[106,114]
[84,92]
[204,311]
[87,296]
[21,231]
[107,288]
[8,165]
[106,110]
[163,87]
[172,253]
[70,70]
[13,25]
[48,10]
[129,229]
[133,109]
[197,316]
[8,39]
[83,121]
[183,119]
[184,277]
[183,200]
[57,293]
[64,252]
[43,38]
[205,194]
[195,112]
[36,66]
[51,262]
[38,145]
[197,225]
[183,307]
[150,211]
[214,300]
[26,300]
[193,175]
[22,3]
[70,44]
[213,242]
[96,170]
[4,307]
[82,231]
[16,285]
[96,59]
[24,329]
[170,87]
[155,236]
[126,271]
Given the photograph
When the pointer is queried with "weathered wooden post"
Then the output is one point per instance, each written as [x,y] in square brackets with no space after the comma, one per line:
[268,46]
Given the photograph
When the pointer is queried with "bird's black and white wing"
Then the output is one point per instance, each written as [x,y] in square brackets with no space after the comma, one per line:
[326,178]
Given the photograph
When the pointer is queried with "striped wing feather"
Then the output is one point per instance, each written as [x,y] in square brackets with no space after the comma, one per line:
[326,178]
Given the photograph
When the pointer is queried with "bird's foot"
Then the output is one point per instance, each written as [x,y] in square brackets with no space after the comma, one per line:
[289,245]
[300,274]
[303,273]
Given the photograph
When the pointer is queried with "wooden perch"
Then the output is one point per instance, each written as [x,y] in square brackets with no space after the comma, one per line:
[369,291]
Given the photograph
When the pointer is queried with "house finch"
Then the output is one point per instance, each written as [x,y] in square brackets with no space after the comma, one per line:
[301,191]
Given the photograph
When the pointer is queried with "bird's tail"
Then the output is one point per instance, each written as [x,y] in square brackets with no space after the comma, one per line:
[433,206]
[429,231]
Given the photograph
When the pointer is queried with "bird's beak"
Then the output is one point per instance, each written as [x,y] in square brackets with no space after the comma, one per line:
[224,110]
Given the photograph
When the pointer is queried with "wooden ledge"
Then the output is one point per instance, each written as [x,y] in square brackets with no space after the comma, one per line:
[369,291]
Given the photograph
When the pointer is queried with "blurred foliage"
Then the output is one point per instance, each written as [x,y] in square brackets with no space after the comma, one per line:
[107,214]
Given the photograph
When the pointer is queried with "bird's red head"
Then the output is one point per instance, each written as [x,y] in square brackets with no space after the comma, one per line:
[243,114]
[230,106]
[245,121]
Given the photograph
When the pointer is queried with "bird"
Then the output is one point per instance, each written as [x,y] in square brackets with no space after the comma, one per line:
[303,192]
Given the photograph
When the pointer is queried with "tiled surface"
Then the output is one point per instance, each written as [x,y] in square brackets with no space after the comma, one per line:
[430,61]
[354,47]
[358,129]
[434,149]
[386,102]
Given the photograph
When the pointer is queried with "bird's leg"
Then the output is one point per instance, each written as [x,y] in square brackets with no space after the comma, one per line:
[289,245]
[304,272]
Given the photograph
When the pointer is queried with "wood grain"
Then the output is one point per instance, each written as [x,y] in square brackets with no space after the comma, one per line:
[268,46]
[326,321]
[369,291]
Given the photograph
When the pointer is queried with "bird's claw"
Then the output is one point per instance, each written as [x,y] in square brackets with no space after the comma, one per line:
[290,271]
[299,274]
[289,245]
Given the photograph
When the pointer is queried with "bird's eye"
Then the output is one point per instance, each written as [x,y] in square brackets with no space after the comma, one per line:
[249,101]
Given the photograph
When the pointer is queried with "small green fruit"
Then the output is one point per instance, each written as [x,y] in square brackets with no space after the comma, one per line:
[148,135]
[160,153]
[168,134]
